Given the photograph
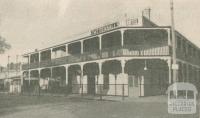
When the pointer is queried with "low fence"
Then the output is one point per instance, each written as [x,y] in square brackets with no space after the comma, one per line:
[101,89]
[48,91]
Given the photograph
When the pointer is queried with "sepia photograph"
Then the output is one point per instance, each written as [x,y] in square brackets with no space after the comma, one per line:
[99,59]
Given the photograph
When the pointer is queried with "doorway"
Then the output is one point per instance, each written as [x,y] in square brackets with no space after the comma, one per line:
[91,84]
[134,82]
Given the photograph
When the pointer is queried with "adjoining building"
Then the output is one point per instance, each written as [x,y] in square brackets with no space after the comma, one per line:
[10,78]
[132,57]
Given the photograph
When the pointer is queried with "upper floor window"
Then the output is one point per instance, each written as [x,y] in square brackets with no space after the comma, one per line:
[194,52]
[91,44]
[178,40]
[74,48]
[45,55]
[111,40]
[149,37]
[59,52]
[184,46]
[199,54]
[34,58]
[190,50]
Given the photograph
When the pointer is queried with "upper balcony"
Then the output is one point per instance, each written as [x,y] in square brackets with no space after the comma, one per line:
[104,54]
[118,43]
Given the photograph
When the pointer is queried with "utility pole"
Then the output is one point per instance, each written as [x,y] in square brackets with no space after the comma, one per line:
[16,65]
[174,65]
[8,72]
[8,67]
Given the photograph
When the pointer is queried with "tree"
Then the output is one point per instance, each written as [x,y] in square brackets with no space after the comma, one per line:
[4,46]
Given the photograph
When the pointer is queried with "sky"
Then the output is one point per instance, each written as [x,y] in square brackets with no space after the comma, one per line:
[35,24]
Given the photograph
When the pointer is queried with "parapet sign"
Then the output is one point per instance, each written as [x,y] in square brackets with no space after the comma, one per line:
[127,22]
[104,28]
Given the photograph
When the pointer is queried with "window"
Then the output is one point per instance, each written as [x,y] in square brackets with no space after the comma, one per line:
[184,46]
[136,81]
[178,42]
[34,58]
[194,52]
[45,55]
[190,95]
[74,48]
[181,94]
[111,40]
[147,37]
[90,45]
[199,54]
[106,82]
[130,81]
[172,94]
[180,76]
[190,50]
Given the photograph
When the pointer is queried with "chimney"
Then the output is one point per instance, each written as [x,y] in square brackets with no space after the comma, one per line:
[147,13]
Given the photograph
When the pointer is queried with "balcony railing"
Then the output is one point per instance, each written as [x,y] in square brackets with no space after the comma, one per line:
[59,61]
[103,54]
[34,65]
[25,66]
[45,63]
[151,51]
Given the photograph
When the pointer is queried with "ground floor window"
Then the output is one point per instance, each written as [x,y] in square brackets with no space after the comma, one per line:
[130,81]
[136,81]
[106,82]
[133,80]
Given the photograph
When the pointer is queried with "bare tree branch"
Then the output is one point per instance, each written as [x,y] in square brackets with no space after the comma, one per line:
[4,46]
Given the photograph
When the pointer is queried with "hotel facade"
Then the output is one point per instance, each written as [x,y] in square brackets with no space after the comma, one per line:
[131,57]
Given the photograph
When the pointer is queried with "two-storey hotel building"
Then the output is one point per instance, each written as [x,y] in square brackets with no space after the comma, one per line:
[132,57]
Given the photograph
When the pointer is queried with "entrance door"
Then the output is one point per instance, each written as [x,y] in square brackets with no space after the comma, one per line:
[134,85]
[91,84]
[70,85]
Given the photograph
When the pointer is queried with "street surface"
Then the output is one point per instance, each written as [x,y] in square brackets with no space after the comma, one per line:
[77,107]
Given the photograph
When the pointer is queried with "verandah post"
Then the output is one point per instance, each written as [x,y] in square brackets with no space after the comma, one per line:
[81,89]
[100,91]
[122,91]
[39,82]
